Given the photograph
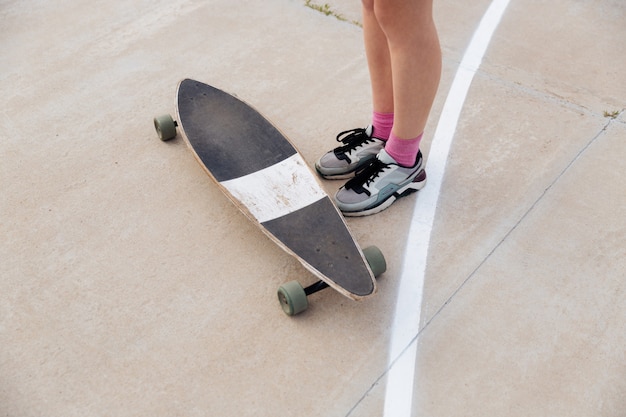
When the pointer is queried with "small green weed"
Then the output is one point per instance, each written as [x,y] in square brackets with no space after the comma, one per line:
[325,8]
[611,114]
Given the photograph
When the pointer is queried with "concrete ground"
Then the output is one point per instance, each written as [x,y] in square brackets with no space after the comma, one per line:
[130,286]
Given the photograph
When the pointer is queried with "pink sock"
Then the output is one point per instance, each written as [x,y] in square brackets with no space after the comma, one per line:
[404,151]
[382,122]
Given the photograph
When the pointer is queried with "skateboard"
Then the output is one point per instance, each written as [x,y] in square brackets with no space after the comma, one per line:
[265,177]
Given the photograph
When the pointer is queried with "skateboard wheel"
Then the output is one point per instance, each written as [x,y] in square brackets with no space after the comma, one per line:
[292,298]
[165,127]
[376,260]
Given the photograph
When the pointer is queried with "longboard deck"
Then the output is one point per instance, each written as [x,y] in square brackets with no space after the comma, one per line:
[261,171]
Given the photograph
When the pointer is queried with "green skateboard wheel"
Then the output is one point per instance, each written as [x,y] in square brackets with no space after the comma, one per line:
[165,127]
[292,298]
[376,260]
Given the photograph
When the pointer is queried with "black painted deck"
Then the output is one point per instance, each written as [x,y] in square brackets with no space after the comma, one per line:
[217,123]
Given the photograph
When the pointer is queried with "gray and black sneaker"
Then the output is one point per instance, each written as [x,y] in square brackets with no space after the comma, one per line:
[359,147]
[377,185]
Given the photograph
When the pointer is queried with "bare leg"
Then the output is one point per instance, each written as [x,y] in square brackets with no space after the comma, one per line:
[404,59]
[379,62]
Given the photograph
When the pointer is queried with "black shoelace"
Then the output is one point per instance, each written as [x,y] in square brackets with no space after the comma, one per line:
[365,175]
[351,139]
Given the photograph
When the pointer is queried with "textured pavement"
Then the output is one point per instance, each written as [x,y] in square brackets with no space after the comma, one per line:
[130,286]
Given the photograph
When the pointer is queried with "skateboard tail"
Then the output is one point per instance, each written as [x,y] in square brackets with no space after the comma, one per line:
[333,254]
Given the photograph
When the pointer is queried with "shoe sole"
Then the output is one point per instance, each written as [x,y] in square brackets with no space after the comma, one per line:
[417,184]
[344,176]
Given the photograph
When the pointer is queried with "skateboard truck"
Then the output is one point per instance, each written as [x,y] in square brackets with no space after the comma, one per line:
[318,286]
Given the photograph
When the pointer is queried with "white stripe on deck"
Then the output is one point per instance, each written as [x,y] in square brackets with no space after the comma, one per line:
[277,190]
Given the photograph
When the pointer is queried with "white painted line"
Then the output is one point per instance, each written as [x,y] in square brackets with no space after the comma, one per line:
[403,345]
[277,190]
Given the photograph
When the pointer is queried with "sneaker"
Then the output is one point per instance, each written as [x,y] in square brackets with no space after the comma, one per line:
[376,186]
[359,148]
